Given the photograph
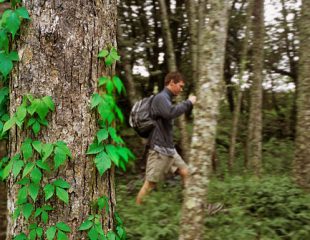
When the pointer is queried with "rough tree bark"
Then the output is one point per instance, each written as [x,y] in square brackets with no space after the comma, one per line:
[302,142]
[209,91]
[58,51]
[254,135]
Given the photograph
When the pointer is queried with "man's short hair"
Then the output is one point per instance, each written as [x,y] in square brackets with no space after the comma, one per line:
[175,77]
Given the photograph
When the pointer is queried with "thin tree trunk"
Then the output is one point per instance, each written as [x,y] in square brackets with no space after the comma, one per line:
[302,142]
[58,52]
[209,91]
[254,137]
[239,92]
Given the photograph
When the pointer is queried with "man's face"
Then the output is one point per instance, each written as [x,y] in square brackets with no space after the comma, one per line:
[176,88]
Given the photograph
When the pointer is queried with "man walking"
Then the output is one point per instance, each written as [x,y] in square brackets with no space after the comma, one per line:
[162,156]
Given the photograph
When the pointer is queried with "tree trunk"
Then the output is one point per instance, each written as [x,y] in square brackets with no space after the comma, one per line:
[239,92]
[254,137]
[302,142]
[209,91]
[58,51]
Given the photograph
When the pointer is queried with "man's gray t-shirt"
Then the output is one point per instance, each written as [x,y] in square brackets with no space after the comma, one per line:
[162,110]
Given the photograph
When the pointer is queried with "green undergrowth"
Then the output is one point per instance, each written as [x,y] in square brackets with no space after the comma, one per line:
[267,209]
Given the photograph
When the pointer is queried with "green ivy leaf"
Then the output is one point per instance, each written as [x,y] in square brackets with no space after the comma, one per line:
[43,122]
[49,102]
[17,167]
[62,195]
[102,134]
[119,114]
[103,80]
[63,227]
[109,60]
[16,213]
[21,236]
[7,170]
[96,99]
[36,175]
[8,124]
[50,233]
[36,128]
[93,234]
[48,191]
[44,217]
[33,191]
[39,232]
[27,210]
[31,121]
[6,64]
[28,168]
[112,152]
[61,236]
[42,109]
[102,162]
[61,183]
[27,149]
[33,107]
[103,202]
[59,157]
[22,12]
[114,54]
[21,113]
[4,41]
[111,235]
[94,148]
[13,23]
[100,231]
[103,53]
[38,212]
[47,150]
[86,225]
[37,145]
[13,56]
[43,165]
[118,84]
[109,86]
[24,181]
[64,147]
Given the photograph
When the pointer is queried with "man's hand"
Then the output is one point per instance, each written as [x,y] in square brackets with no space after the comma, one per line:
[192,99]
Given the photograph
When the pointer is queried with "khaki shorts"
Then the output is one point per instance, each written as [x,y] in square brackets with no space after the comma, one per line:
[159,165]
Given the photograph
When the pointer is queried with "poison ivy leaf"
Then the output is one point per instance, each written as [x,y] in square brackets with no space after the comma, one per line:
[103,80]
[24,181]
[109,60]
[27,210]
[118,84]
[7,170]
[61,236]
[21,113]
[111,235]
[33,107]
[13,56]
[27,149]
[122,165]
[36,175]
[22,12]
[64,147]
[21,236]
[47,150]
[44,217]
[42,109]
[37,145]
[119,114]
[103,202]
[103,53]
[95,100]
[16,213]
[59,157]
[39,232]
[10,123]
[28,168]
[63,227]
[102,134]
[36,128]
[4,41]
[62,195]
[33,190]
[120,232]
[99,230]
[6,64]
[61,183]
[102,162]
[112,152]
[48,208]
[43,122]
[17,167]
[114,54]
[31,121]
[93,234]
[50,233]
[43,165]
[38,212]
[49,191]
[123,153]
[13,23]
[86,225]
[94,148]
[113,134]
[49,102]
[109,86]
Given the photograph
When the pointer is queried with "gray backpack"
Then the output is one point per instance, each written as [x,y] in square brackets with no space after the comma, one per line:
[140,118]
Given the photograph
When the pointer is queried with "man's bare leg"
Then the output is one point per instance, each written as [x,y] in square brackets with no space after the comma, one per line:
[183,173]
[145,189]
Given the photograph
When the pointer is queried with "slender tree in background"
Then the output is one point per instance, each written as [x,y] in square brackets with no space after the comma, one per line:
[302,142]
[209,92]
[58,52]
[238,90]
[254,135]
